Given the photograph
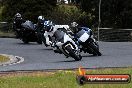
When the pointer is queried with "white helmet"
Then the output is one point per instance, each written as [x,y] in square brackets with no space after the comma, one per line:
[18,15]
[40,18]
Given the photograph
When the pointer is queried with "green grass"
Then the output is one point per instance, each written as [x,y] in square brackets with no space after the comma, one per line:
[6,34]
[59,79]
[3,59]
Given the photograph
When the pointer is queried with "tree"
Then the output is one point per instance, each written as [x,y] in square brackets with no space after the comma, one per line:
[29,9]
[114,13]
[91,7]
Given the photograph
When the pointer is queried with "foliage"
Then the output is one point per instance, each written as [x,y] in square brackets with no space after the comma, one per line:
[117,13]
[1,8]
[114,13]
[29,9]
[65,14]
[91,7]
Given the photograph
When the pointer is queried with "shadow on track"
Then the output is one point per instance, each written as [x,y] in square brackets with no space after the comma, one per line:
[88,56]
[27,44]
[65,61]
[47,49]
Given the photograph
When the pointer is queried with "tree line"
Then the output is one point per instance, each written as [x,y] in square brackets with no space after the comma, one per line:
[114,13]
[29,9]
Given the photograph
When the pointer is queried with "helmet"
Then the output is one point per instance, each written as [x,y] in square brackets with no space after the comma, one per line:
[18,16]
[48,26]
[40,18]
[74,26]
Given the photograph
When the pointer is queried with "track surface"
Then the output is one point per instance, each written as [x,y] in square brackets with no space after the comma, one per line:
[39,57]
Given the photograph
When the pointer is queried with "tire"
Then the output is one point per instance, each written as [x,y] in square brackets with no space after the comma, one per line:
[95,49]
[39,38]
[39,41]
[25,40]
[72,54]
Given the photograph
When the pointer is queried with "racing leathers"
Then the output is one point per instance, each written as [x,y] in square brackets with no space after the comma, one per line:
[17,26]
[40,30]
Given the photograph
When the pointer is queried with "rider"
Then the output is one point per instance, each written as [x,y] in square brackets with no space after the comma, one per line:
[18,20]
[50,30]
[76,32]
[75,28]
[40,23]
[39,28]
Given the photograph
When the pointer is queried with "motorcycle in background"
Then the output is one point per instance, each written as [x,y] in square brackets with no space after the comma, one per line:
[28,33]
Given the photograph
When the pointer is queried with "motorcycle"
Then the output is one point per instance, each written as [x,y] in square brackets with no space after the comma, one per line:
[66,45]
[88,43]
[28,33]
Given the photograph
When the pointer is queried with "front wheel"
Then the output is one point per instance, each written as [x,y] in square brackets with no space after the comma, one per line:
[25,40]
[72,54]
[95,49]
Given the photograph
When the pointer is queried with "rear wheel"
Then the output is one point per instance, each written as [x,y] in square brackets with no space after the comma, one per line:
[72,54]
[39,41]
[38,38]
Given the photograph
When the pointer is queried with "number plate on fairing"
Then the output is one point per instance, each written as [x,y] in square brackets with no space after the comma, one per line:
[84,37]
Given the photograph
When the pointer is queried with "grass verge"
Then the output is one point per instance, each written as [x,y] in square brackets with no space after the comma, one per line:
[3,59]
[7,34]
[59,79]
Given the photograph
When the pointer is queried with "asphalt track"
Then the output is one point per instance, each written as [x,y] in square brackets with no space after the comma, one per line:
[39,57]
